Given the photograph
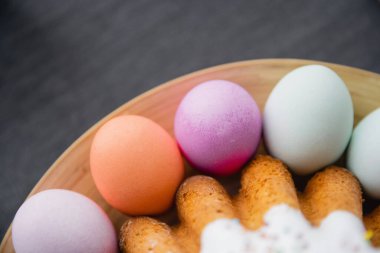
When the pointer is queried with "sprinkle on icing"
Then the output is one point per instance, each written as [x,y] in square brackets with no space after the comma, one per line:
[368,235]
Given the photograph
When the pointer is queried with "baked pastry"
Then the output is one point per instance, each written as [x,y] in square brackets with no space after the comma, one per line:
[270,210]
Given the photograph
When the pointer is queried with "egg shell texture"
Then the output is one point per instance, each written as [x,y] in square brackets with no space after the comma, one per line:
[363,156]
[218,127]
[136,165]
[308,118]
[62,221]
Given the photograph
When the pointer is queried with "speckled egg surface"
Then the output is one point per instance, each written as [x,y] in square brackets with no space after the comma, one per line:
[308,118]
[218,127]
[62,221]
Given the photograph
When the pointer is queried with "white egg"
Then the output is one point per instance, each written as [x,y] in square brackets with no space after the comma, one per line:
[308,118]
[363,156]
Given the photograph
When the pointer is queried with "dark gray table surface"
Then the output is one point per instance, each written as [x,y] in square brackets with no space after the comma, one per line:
[66,64]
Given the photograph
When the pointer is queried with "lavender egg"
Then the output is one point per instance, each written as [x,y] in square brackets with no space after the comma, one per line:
[218,127]
[62,221]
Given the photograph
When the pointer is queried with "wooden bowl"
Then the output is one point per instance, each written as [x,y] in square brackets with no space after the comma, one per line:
[71,170]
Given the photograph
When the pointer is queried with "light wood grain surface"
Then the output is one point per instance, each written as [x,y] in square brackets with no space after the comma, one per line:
[71,170]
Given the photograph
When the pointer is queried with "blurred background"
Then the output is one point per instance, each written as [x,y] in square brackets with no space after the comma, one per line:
[66,64]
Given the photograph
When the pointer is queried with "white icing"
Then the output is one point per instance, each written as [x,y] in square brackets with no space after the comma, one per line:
[287,231]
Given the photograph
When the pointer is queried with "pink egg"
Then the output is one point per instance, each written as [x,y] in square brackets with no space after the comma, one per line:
[62,221]
[218,127]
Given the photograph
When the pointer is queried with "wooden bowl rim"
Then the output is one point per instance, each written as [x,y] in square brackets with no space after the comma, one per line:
[167,85]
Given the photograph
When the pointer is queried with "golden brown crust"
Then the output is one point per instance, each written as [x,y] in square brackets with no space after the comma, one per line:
[332,189]
[372,222]
[143,234]
[201,200]
[265,183]
[187,239]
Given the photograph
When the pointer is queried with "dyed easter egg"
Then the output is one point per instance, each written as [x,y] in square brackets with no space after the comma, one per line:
[136,165]
[363,156]
[62,221]
[308,118]
[218,127]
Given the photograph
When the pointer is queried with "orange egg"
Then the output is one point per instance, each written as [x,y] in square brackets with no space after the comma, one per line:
[136,165]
